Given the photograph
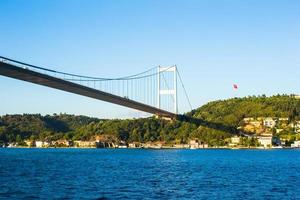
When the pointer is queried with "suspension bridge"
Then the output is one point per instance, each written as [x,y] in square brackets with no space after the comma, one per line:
[153,91]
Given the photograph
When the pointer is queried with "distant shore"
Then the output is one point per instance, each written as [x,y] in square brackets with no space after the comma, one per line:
[153,148]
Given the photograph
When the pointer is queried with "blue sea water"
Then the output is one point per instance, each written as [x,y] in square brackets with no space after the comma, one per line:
[149,174]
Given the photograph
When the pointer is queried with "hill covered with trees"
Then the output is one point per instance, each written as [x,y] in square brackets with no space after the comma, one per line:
[233,111]
[212,123]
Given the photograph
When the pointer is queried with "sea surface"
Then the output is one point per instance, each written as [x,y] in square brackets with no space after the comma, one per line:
[149,174]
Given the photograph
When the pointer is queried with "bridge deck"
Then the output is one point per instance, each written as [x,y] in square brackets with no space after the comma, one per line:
[12,71]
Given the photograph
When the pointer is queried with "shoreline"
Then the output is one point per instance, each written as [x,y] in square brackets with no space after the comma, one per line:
[153,148]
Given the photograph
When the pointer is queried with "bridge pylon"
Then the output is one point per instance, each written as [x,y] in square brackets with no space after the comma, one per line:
[165,88]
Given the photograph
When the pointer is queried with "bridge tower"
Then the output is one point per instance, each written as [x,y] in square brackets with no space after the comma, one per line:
[167,86]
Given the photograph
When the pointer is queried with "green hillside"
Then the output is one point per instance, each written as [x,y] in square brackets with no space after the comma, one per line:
[212,123]
[232,111]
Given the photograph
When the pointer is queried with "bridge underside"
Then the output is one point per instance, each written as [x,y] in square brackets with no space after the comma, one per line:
[12,71]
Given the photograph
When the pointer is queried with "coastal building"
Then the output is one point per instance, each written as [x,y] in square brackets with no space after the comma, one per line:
[269,122]
[181,146]
[194,144]
[296,144]
[11,144]
[106,141]
[39,144]
[296,126]
[265,141]
[260,125]
[251,125]
[255,123]
[29,143]
[85,144]
[235,140]
[269,141]
[134,145]
[203,146]
[153,145]
[284,119]
[101,144]
[63,143]
[248,119]
[122,145]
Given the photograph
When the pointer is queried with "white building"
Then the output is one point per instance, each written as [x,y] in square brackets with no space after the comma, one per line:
[204,146]
[194,144]
[283,119]
[134,145]
[296,144]
[266,142]
[39,144]
[269,122]
[85,144]
[235,140]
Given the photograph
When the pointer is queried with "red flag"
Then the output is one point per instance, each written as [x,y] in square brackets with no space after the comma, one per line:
[235,86]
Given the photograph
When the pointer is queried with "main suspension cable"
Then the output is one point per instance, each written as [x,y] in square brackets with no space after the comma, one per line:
[185,92]
[80,76]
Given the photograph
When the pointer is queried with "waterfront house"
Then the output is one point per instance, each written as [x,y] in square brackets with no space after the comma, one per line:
[265,141]
[39,144]
[122,144]
[235,140]
[194,144]
[63,143]
[155,145]
[85,144]
[203,146]
[29,143]
[268,141]
[134,145]
[181,146]
[10,145]
[296,144]
[101,144]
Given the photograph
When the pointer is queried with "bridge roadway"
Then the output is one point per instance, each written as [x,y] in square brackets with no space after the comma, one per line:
[24,74]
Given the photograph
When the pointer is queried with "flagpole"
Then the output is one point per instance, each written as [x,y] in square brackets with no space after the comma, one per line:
[235,89]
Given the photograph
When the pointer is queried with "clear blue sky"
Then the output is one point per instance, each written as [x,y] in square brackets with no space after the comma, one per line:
[253,43]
